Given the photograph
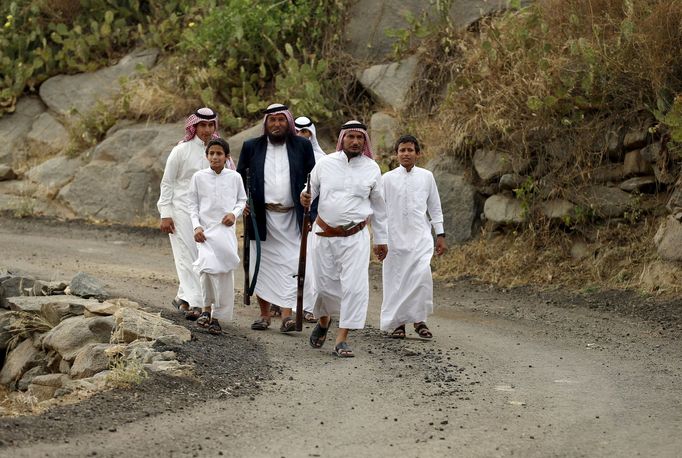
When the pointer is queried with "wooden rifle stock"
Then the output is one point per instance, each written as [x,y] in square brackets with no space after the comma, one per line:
[300,276]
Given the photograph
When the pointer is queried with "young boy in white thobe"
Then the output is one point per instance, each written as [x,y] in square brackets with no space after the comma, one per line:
[217,199]
[413,207]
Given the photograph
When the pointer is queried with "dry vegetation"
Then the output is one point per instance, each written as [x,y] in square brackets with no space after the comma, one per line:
[548,83]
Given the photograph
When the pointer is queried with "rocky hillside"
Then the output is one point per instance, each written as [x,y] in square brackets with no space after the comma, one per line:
[511,164]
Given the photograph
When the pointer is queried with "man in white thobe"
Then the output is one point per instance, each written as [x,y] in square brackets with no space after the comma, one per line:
[185,160]
[413,207]
[217,199]
[348,183]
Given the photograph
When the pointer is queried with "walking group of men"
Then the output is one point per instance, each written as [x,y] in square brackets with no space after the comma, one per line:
[203,194]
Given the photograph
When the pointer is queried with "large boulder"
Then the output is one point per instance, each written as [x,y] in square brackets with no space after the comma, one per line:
[390,83]
[69,336]
[557,209]
[133,324]
[81,92]
[365,33]
[122,182]
[38,304]
[634,164]
[43,387]
[643,185]
[458,199]
[15,126]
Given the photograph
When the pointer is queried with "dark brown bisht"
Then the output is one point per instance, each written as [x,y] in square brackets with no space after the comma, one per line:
[300,276]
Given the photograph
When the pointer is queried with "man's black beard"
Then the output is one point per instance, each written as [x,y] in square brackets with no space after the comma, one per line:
[351,154]
[277,139]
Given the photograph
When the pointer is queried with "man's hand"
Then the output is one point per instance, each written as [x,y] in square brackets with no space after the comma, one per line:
[167,226]
[199,236]
[246,211]
[441,246]
[228,220]
[305,199]
[380,251]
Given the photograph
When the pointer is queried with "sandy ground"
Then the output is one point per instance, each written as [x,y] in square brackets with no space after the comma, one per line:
[509,372]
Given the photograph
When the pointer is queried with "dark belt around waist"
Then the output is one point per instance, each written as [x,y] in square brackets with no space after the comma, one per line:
[328,231]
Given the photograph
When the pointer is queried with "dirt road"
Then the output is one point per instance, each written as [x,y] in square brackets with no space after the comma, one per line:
[515,372]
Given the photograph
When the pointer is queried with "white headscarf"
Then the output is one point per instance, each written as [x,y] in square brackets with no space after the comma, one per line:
[279,108]
[304,123]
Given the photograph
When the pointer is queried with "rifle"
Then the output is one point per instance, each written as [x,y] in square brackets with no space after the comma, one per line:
[249,287]
[305,228]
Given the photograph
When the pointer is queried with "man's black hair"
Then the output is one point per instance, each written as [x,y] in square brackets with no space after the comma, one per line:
[221,142]
[407,139]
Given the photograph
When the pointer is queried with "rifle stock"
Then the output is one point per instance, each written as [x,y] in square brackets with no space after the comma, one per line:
[300,276]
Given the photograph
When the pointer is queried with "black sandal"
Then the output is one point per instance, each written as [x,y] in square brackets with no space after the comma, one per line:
[342,350]
[214,327]
[319,335]
[398,333]
[193,314]
[204,319]
[421,329]
[308,317]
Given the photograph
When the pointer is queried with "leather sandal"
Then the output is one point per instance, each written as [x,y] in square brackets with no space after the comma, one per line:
[261,324]
[288,325]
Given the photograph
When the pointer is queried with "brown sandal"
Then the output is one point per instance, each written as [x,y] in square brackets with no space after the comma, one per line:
[421,329]
[398,333]
[261,324]
[288,325]
[214,327]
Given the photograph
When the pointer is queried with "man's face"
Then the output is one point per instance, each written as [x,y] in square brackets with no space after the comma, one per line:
[305,133]
[353,143]
[277,126]
[205,129]
[407,155]
[216,157]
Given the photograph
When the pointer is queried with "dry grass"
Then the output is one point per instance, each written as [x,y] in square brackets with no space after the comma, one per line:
[560,71]
[620,253]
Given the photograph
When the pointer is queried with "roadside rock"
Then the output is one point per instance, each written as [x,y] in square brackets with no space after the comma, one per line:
[28,377]
[43,387]
[501,209]
[15,126]
[64,93]
[56,312]
[47,136]
[133,324]
[87,286]
[24,357]
[54,174]
[237,141]
[606,202]
[558,209]
[635,138]
[458,199]
[69,336]
[383,131]
[35,304]
[661,276]
[668,240]
[608,173]
[390,83]
[6,173]
[90,360]
[644,185]
[490,164]
[511,181]
[634,164]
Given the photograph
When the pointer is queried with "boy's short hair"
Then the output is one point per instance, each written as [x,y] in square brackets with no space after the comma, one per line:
[407,139]
[221,142]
